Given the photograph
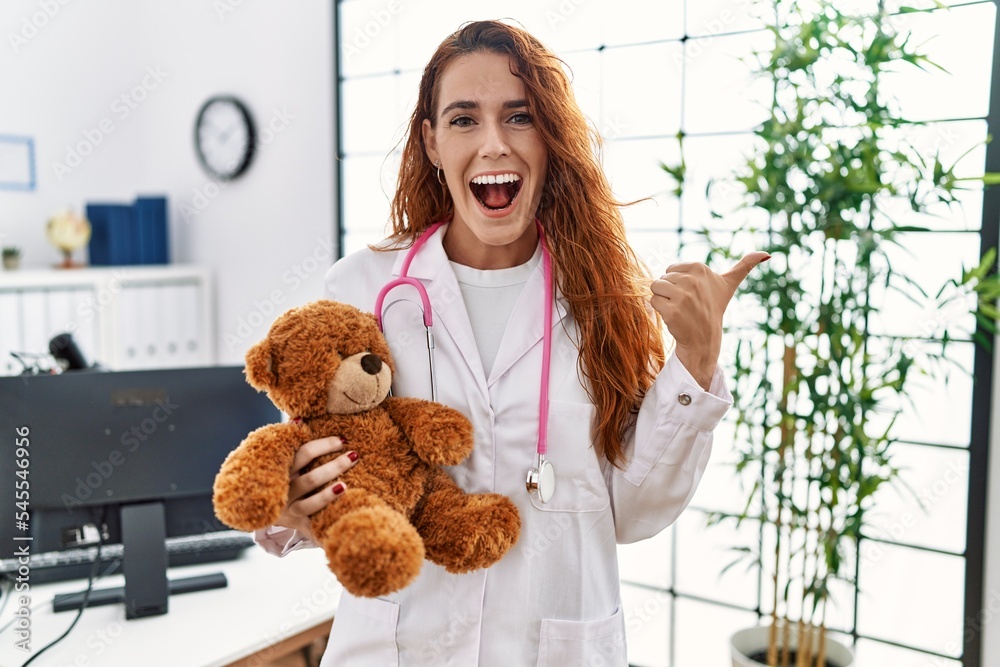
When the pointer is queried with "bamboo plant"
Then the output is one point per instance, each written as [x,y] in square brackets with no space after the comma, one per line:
[816,391]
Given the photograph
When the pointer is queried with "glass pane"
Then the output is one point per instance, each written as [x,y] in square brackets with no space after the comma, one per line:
[370,114]
[564,25]
[421,30]
[633,169]
[911,597]
[869,652]
[647,562]
[357,239]
[958,144]
[721,94]
[927,506]
[584,70]
[702,631]
[369,36]
[960,41]
[647,626]
[657,250]
[638,106]
[710,189]
[637,21]
[930,260]
[935,410]
[704,552]
[369,180]
[722,489]
[718,17]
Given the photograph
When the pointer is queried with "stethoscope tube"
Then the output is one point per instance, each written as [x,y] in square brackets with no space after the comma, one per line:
[540,480]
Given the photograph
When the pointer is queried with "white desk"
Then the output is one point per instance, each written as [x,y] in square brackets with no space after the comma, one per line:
[270,605]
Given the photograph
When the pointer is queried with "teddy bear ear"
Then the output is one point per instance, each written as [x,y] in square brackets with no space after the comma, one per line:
[258,371]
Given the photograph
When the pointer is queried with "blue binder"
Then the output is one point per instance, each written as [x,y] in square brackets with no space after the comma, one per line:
[124,234]
[111,236]
[150,225]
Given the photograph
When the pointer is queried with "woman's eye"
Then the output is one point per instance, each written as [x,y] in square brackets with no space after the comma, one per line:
[521,118]
[461,121]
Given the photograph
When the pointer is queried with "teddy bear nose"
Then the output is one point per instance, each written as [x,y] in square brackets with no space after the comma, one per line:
[371,363]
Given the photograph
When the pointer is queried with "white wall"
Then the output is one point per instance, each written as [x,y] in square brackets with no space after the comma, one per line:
[268,236]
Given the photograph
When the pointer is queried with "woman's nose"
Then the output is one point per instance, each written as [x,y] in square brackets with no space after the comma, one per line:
[494,142]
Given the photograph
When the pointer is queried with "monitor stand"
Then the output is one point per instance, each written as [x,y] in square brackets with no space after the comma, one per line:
[144,564]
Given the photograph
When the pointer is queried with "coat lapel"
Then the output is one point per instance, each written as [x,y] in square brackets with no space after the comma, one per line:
[525,327]
[431,266]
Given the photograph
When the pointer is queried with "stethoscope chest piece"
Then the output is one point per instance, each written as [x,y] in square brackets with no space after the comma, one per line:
[542,480]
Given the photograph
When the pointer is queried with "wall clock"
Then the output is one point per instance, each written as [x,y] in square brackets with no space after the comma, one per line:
[224,137]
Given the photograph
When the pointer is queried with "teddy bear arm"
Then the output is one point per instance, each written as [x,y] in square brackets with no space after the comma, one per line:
[439,435]
[251,487]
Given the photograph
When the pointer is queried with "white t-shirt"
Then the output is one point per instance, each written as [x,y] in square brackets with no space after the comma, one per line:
[490,296]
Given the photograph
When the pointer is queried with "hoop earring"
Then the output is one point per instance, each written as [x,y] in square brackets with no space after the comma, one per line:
[437,163]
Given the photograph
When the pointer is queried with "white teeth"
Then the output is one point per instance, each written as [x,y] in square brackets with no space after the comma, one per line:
[493,179]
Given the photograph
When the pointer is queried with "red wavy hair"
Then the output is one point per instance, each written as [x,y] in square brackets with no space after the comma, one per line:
[604,282]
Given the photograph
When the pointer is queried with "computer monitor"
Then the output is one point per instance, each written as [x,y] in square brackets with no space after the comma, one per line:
[139,448]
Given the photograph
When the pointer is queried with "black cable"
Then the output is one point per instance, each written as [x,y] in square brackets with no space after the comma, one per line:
[86,595]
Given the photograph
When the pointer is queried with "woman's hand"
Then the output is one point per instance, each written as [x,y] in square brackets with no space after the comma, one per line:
[692,299]
[310,492]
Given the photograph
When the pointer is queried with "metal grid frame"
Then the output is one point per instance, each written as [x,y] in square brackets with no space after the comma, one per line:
[978,450]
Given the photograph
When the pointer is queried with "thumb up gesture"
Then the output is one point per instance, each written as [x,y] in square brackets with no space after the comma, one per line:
[692,299]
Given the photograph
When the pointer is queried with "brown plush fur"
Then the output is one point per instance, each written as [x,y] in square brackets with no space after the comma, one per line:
[327,364]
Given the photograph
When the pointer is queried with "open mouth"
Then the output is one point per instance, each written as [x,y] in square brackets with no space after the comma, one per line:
[496,192]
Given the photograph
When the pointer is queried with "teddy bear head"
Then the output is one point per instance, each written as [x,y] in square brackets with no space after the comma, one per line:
[325,357]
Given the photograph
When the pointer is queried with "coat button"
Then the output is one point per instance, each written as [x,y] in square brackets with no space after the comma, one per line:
[684,399]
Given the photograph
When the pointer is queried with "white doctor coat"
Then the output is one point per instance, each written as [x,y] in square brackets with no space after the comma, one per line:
[554,598]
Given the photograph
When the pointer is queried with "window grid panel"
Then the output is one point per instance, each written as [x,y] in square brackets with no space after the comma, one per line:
[387,59]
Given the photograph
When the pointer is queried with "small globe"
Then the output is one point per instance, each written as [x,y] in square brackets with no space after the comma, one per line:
[68,231]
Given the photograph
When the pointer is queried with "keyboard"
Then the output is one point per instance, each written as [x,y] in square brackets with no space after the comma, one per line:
[76,563]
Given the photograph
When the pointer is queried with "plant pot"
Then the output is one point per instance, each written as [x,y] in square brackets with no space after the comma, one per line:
[754,640]
[11,263]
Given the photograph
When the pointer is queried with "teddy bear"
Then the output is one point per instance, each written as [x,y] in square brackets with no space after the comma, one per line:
[328,367]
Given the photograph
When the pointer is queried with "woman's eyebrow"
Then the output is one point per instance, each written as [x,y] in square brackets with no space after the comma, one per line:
[470,104]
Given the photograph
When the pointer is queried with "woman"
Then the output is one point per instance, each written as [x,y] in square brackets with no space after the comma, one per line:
[497,141]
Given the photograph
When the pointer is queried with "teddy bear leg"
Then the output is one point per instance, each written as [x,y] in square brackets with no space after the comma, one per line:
[371,548]
[464,532]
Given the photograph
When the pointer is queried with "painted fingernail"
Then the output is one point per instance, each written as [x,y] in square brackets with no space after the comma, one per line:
[338,488]
[766,258]
[343,441]
[352,455]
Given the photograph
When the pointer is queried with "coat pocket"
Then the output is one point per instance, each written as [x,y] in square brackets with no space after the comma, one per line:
[580,485]
[599,643]
[363,633]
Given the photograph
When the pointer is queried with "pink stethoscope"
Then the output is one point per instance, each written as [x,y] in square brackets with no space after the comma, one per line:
[541,480]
